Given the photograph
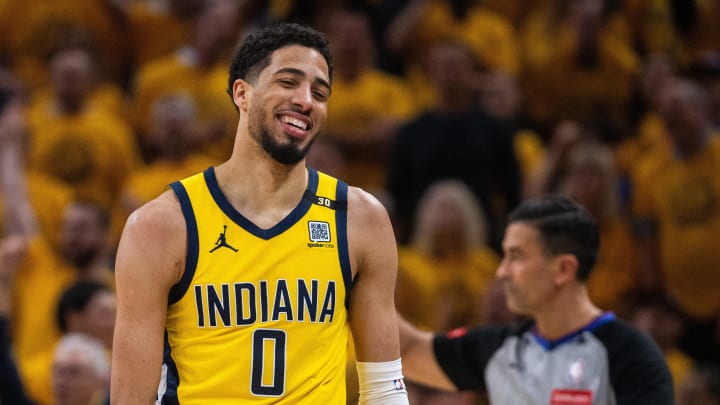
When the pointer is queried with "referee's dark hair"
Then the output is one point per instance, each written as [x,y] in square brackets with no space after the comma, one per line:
[75,299]
[564,226]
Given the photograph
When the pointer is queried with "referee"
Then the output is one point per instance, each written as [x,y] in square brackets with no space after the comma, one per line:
[570,352]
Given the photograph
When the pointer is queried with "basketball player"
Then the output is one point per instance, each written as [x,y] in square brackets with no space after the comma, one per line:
[235,285]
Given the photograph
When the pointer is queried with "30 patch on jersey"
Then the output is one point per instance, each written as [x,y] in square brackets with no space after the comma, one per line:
[319,234]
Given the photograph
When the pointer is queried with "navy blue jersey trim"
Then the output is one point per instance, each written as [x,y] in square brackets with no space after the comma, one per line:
[191,257]
[597,322]
[294,216]
[343,250]
[172,379]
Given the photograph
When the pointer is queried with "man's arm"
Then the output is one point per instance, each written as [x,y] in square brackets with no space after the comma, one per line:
[19,215]
[419,361]
[149,262]
[373,255]
[374,258]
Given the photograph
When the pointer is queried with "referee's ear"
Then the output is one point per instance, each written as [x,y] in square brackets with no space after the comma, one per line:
[566,267]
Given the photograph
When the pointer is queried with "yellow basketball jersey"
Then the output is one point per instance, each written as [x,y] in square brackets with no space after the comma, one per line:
[260,315]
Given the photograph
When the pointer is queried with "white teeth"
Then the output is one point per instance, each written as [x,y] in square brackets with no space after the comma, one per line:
[294,122]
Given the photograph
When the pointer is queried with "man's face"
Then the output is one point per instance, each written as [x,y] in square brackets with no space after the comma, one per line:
[288,103]
[586,184]
[450,68]
[73,378]
[526,270]
[98,317]
[71,72]
[82,236]
[682,115]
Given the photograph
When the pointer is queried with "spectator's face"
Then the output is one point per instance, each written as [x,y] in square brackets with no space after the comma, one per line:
[657,73]
[97,319]
[662,325]
[500,95]
[173,123]
[287,104]
[684,117]
[217,27]
[526,270]
[585,184]
[450,68]
[74,379]
[72,75]
[83,235]
[351,40]
[443,214]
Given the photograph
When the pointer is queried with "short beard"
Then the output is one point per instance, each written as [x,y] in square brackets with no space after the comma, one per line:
[288,154]
[81,259]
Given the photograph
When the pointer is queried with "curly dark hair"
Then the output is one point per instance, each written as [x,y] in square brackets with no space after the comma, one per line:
[253,54]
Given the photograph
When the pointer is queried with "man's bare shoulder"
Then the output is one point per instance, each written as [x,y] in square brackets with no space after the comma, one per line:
[161,216]
[154,237]
[365,208]
[370,234]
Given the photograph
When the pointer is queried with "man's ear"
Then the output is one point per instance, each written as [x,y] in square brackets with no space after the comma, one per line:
[566,269]
[241,94]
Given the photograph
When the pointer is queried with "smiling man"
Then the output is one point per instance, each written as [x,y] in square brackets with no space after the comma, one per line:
[571,352]
[235,285]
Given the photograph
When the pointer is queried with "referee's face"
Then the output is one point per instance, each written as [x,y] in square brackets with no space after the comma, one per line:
[525,270]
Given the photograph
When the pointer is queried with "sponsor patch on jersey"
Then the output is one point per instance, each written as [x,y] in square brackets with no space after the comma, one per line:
[571,397]
[319,233]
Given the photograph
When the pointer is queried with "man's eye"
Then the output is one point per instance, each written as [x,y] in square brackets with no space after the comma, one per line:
[320,95]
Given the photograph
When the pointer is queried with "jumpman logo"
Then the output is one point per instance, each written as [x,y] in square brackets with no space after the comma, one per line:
[222,242]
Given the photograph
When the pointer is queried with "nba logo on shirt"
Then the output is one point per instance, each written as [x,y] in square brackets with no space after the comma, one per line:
[399,384]
[576,372]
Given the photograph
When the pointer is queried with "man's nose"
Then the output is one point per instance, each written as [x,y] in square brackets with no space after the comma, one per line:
[302,97]
[502,271]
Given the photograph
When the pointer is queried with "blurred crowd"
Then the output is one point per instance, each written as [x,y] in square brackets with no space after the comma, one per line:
[450,111]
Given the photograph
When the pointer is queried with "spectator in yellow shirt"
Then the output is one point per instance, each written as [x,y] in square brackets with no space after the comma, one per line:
[422,24]
[199,69]
[169,149]
[31,30]
[445,269]
[80,143]
[444,272]
[677,214]
[578,63]
[367,105]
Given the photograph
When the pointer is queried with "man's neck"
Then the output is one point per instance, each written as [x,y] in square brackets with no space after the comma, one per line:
[568,313]
[261,189]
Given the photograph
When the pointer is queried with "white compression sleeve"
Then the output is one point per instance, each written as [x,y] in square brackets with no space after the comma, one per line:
[381,383]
